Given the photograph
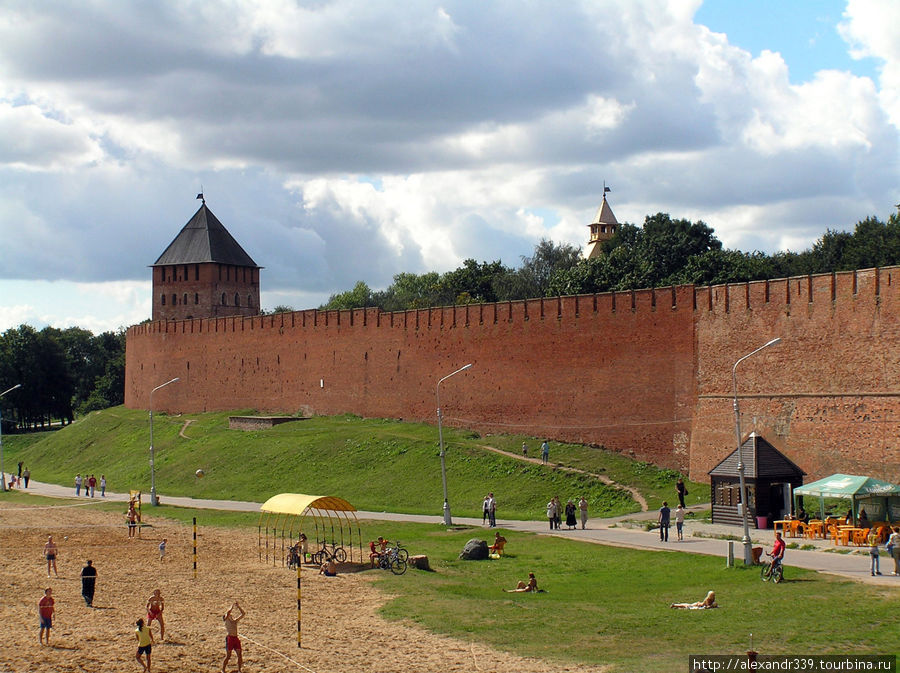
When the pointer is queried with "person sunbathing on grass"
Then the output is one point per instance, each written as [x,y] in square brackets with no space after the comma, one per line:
[523,587]
[706,604]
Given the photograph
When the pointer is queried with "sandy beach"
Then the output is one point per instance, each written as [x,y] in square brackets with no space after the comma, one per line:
[342,631]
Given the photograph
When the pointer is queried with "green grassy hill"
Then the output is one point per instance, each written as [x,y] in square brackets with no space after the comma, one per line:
[379,465]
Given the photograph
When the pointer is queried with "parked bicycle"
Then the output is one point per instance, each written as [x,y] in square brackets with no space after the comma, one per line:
[329,552]
[772,571]
[402,554]
[390,559]
[293,559]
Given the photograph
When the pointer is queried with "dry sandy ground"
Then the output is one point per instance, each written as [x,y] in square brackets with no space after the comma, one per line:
[341,630]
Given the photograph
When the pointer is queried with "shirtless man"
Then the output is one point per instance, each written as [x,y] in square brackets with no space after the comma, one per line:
[155,607]
[132,519]
[232,642]
[50,551]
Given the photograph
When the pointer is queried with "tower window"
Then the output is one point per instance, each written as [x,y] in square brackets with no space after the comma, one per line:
[237,300]
[184,299]
[224,303]
[196,298]
[174,299]
[249,300]
[163,297]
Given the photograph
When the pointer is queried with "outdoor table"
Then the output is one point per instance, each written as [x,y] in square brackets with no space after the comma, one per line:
[784,523]
[816,529]
[845,534]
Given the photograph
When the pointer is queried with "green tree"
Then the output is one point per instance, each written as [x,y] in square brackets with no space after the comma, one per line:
[409,291]
[470,283]
[359,297]
[535,277]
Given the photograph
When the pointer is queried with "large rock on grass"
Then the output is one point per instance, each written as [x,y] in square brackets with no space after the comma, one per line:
[475,550]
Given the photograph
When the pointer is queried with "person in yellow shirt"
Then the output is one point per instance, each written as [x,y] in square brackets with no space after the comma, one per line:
[145,643]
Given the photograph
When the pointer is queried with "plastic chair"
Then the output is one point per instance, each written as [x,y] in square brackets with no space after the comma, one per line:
[839,536]
[860,537]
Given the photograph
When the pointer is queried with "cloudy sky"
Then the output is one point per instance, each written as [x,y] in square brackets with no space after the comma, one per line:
[345,140]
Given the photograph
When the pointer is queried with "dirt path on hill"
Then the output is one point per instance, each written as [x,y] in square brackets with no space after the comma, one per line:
[599,477]
[184,427]
[342,630]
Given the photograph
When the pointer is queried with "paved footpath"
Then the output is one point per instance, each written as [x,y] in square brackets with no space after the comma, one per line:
[601,531]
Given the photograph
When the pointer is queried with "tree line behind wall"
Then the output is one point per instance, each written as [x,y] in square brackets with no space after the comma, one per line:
[661,252]
[61,372]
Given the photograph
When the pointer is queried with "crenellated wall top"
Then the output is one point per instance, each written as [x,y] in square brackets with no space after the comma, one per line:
[844,286]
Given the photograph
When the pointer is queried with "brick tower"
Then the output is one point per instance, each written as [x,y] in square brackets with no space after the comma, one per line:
[204,273]
[602,228]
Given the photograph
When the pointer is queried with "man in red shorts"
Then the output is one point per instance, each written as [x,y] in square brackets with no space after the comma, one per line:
[232,642]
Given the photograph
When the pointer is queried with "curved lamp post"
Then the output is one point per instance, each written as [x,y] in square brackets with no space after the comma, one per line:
[153,499]
[2,473]
[744,510]
[447,520]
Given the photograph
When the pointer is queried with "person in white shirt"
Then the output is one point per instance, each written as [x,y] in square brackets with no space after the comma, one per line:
[679,521]
[894,543]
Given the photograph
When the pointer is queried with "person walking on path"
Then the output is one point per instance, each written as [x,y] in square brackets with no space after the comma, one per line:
[45,611]
[50,551]
[663,521]
[874,554]
[583,507]
[485,508]
[894,543]
[155,607]
[524,450]
[145,643]
[162,548]
[681,489]
[545,452]
[88,583]
[92,484]
[551,513]
[492,510]
[679,522]
[20,469]
[26,475]
[232,642]
[78,484]
[559,512]
[102,486]
[571,524]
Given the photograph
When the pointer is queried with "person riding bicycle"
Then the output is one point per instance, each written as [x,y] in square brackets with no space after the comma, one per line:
[777,552]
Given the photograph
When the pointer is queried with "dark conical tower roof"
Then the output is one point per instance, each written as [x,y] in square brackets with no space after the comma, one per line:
[205,239]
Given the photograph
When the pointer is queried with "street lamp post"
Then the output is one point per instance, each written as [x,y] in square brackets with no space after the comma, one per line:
[153,499]
[447,520]
[2,473]
[744,510]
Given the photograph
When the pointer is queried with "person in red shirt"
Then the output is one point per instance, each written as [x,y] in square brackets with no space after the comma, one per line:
[777,551]
[45,610]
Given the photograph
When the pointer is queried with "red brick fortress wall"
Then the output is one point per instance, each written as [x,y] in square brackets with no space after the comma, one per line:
[828,395]
[612,369]
[647,372]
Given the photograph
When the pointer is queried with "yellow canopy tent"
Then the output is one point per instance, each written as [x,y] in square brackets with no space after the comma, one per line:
[286,515]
